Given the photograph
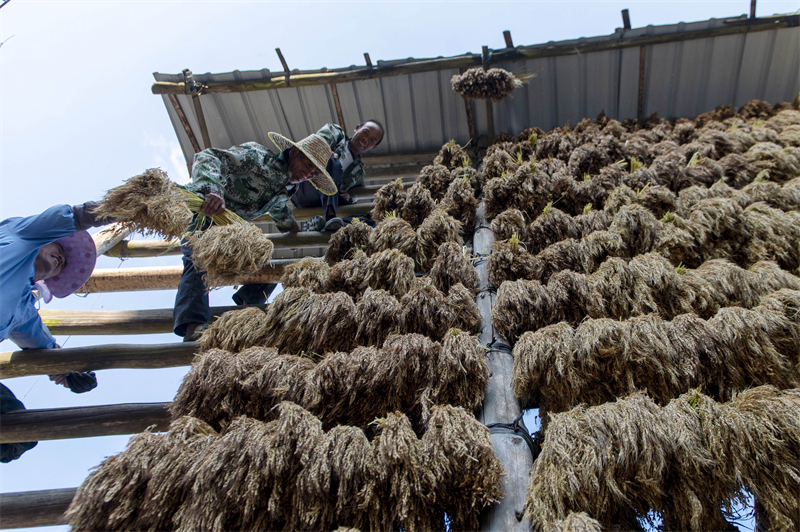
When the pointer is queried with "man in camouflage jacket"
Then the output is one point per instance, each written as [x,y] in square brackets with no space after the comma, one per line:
[250,180]
[345,166]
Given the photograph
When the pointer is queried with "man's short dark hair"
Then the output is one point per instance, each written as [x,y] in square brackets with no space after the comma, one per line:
[383,131]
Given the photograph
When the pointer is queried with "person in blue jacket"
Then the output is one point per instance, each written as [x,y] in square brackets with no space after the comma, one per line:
[53,253]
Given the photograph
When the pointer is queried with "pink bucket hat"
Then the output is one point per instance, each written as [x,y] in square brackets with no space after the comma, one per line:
[81,255]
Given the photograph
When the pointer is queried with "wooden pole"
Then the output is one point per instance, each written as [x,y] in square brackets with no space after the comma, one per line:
[105,280]
[626,19]
[500,405]
[35,508]
[337,104]
[520,53]
[109,237]
[752,9]
[113,356]
[640,105]
[82,422]
[112,322]
[184,122]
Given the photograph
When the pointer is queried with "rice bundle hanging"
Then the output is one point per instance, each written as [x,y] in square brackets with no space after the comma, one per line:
[230,253]
[438,228]
[493,84]
[453,265]
[459,202]
[390,270]
[452,156]
[308,273]
[235,330]
[510,261]
[774,236]
[497,164]
[509,222]
[393,232]
[347,240]
[349,275]
[780,164]
[418,205]
[389,198]
[576,522]
[467,314]
[332,323]
[425,310]
[473,177]
[150,203]
[552,226]
[378,314]
[435,178]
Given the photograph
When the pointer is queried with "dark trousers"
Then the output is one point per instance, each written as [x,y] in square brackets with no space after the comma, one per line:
[307,196]
[191,301]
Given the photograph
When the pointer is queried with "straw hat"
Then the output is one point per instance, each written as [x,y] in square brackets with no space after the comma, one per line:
[317,150]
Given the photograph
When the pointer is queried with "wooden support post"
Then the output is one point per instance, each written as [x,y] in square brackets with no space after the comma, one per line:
[500,405]
[338,105]
[163,278]
[490,119]
[196,89]
[473,136]
[285,66]
[184,122]
[626,20]
[113,322]
[507,38]
[109,237]
[752,8]
[368,60]
[82,422]
[112,356]
[640,106]
[35,508]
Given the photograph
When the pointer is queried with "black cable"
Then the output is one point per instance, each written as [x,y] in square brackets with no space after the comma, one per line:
[517,427]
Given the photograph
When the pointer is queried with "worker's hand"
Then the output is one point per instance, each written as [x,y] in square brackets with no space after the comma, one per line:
[59,379]
[335,155]
[345,196]
[213,205]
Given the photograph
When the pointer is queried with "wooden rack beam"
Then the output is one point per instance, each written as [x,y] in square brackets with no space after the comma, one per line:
[731,27]
[82,422]
[500,405]
[35,508]
[163,278]
[110,322]
[97,357]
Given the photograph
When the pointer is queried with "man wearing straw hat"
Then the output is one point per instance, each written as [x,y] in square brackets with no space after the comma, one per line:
[250,180]
[53,253]
[346,168]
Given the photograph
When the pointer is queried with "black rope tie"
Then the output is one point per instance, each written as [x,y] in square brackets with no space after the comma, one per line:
[498,346]
[516,427]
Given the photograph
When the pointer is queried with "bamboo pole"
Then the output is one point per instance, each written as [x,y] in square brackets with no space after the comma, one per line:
[732,26]
[105,280]
[35,508]
[112,322]
[82,422]
[500,405]
[113,356]
[109,237]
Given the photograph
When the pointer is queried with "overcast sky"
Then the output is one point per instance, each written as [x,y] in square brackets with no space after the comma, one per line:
[77,117]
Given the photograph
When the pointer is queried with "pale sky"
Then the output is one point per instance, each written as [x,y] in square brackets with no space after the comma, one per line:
[77,117]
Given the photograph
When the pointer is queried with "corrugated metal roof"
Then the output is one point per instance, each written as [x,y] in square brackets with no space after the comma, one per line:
[420,111]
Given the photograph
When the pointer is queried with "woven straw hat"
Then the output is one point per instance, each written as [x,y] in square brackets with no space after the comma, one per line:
[317,150]
[80,255]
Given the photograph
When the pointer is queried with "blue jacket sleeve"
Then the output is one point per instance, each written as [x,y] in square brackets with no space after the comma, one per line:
[32,334]
[41,229]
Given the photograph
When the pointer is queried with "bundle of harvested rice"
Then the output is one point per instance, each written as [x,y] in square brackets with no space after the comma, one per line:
[474,178]
[510,261]
[389,198]
[636,225]
[564,255]
[214,389]
[434,231]
[378,314]
[493,84]
[452,156]
[774,235]
[576,522]
[346,240]
[230,253]
[425,310]
[790,136]
[332,323]
[390,270]
[393,232]
[350,276]
[552,226]
[457,451]
[509,222]
[308,273]
[150,203]
[435,178]
[418,205]
[289,319]
[608,460]
[780,164]
[235,330]
[755,109]
[453,265]
[497,164]
[459,202]
[467,314]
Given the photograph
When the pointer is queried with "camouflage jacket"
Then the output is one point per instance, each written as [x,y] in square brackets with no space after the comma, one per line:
[252,179]
[338,141]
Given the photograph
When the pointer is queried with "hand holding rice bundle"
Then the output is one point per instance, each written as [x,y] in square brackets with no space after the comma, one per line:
[493,84]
